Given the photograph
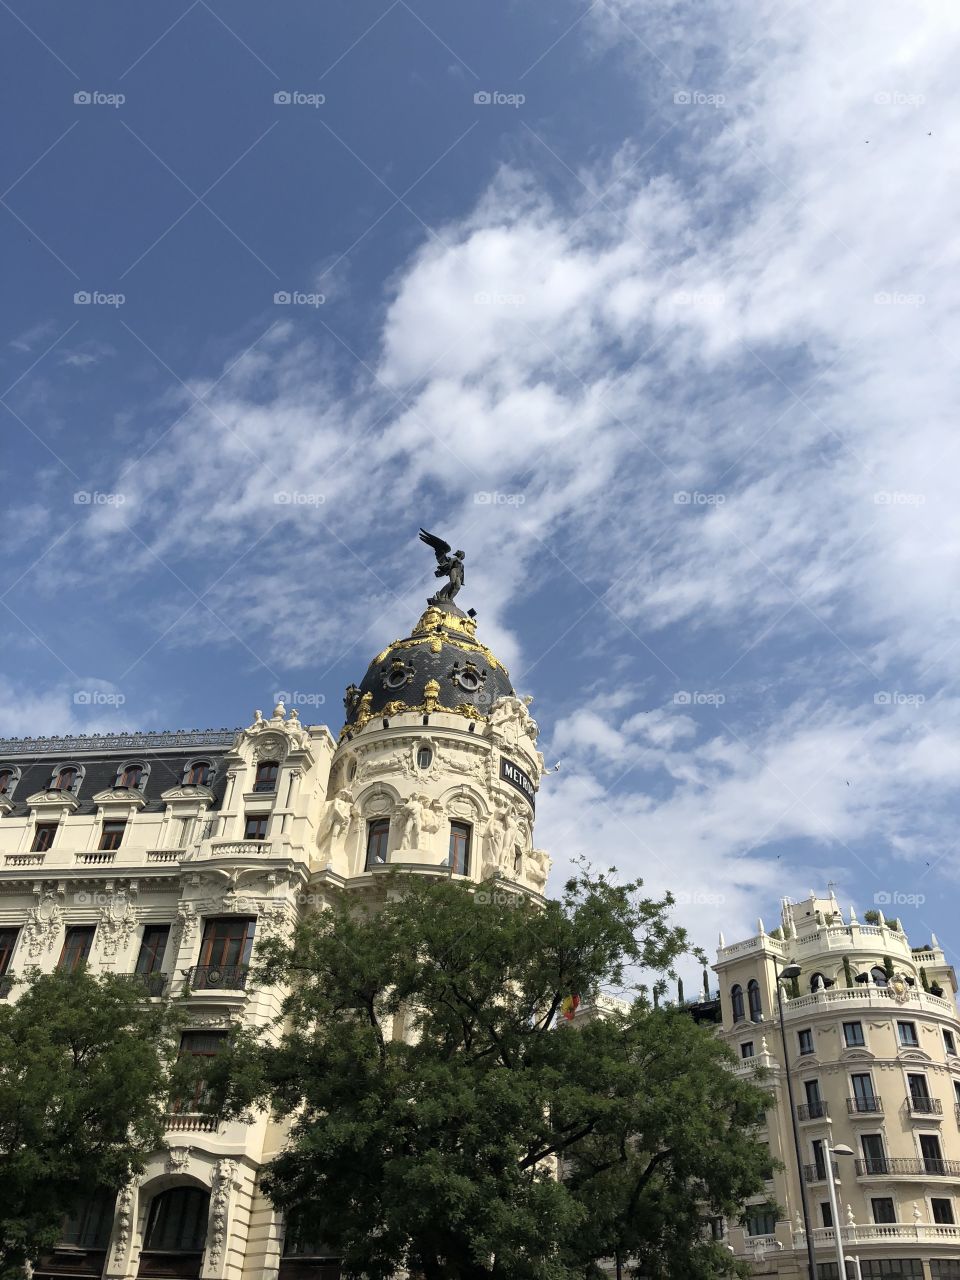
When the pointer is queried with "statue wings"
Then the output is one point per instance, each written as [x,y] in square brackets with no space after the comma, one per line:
[441,549]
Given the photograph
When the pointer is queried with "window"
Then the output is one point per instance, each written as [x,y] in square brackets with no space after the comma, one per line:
[111,835]
[459,859]
[826,1217]
[152,946]
[8,940]
[816,1107]
[89,1225]
[760,1222]
[853,1035]
[736,1000]
[746,1049]
[931,1154]
[805,1041]
[378,837]
[300,1242]
[130,776]
[949,1043]
[891,1269]
[907,1034]
[255,826]
[874,1156]
[227,942]
[717,1231]
[76,947]
[198,1044]
[178,1221]
[819,1163]
[883,1209]
[942,1210]
[753,1000]
[266,779]
[198,772]
[864,1099]
[6,781]
[43,835]
[919,1093]
[956,1092]
[945,1269]
[64,779]
[424,758]
[878,975]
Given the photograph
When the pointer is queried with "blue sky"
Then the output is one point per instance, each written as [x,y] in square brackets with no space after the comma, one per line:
[661,330]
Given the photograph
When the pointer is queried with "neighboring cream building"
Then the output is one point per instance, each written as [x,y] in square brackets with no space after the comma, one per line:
[872,1036]
[169,855]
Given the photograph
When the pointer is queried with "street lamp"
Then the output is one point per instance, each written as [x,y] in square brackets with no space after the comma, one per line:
[856,1263]
[788,973]
[841,1150]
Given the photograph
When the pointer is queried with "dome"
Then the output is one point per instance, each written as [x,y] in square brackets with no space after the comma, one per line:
[441,666]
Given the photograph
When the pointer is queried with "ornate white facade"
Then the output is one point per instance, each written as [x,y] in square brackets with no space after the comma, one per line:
[174,854]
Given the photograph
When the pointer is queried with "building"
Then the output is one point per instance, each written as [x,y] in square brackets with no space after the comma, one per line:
[170,855]
[872,1035]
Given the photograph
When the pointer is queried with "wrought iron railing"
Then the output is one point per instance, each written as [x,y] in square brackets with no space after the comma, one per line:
[864,1106]
[924,1104]
[891,1166]
[218,977]
[817,1110]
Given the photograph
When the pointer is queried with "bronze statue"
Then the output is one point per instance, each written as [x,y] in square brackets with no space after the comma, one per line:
[448,566]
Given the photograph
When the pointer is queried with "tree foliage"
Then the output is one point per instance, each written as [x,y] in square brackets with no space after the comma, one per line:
[435,1094]
[86,1065]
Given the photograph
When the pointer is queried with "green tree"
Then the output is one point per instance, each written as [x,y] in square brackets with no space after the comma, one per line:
[437,1088]
[86,1066]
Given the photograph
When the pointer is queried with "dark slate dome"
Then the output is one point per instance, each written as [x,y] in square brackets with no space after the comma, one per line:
[441,666]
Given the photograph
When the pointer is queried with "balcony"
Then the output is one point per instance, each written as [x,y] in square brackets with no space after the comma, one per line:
[884,1233]
[818,1110]
[153,983]
[818,1172]
[218,977]
[864,1106]
[922,1104]
[165,855]
[99,858]
[191,1122]
[240,848]
[907,1167]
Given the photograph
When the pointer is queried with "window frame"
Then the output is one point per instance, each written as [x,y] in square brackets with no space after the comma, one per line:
[874,1201]
[8,946]
[754,1001]
[112,827]
[260,820]
[907,1044]
[461,842]
[192,765]
[37,845]
[736,1003]
[71,934]
[853,1044]
[804,1052]
[744,1047]
[199,1199]
[378,841]
[266,785]
[155,954]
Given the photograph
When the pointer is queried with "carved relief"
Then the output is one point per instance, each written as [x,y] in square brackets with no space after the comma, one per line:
[118,919]
[185,926]
[178,1158]
[224,1181]
[538,868]
[342,812]
[419,816]
[124,1218]
[43,922]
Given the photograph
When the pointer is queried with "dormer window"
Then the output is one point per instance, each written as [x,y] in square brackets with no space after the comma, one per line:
[65,779]
[6,781]
[198,773]
[131,775]
[266,779]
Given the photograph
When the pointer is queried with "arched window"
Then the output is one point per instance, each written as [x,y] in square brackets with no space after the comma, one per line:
[753,998]
[130,776]
[378,837]
[736,999]
[878,975]
[178,1221]
[424,758]
[197,773]
[459,858]
[6,781]
[65,779]
[266,779]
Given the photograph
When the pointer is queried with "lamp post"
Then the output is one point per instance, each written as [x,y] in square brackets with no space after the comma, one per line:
[793,971]
[856,1263]
[841,1150]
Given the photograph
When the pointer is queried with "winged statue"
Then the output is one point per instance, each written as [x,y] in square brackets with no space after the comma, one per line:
[448,566]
